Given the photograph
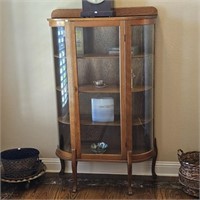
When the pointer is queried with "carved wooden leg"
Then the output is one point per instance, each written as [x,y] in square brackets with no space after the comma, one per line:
[62,170]
[74,170]
[129,166]
[154,175]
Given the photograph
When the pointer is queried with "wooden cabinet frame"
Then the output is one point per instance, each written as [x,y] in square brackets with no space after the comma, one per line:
[125,19]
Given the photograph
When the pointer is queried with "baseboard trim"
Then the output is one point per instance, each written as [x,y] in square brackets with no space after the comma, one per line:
[163,168]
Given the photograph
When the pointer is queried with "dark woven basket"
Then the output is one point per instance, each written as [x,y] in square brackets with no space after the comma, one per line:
[189,176]
[19,163]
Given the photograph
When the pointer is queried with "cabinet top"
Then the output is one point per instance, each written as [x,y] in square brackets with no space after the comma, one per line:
[148,11]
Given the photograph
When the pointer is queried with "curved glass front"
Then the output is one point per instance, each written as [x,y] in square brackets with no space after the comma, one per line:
[61,79]
[142,87]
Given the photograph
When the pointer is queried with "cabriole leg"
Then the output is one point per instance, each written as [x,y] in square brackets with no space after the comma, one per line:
[129,166]
[62,170]
[154,175]
[74,170]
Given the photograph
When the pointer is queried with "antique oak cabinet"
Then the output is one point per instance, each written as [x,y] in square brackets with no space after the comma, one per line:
[104,75]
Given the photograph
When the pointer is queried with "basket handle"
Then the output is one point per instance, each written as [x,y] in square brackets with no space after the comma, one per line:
[179,153]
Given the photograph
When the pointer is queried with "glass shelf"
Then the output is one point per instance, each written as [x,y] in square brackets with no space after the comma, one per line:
[140,122]
[87,150]
[94,89]
[110,89]
[104,56]
[64,119]
[141,88]
[86,120]
[57,56]
[100,56]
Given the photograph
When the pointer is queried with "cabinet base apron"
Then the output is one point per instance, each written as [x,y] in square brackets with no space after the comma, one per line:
[131,158]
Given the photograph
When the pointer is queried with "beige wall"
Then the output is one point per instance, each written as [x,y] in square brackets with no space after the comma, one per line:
[28,94]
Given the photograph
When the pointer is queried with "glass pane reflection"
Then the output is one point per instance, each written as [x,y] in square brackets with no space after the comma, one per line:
[142,87]
[61,79]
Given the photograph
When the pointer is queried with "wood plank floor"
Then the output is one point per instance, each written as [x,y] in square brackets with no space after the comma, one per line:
[55,186]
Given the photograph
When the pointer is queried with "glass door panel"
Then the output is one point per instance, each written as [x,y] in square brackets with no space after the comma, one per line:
[98,66]
[142,87]
[61,79]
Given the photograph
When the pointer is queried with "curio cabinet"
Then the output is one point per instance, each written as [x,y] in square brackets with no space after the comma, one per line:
[104,81]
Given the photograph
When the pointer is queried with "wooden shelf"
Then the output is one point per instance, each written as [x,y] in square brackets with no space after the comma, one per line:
[100,56]
[103,56]
[110,89]
[140,121]
[141,55]
[141,88]
[87,121]
[58,88]
[93,89]
[57,56]
[64,120]
[85,149]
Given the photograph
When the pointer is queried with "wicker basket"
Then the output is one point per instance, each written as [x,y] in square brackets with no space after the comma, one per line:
[189,176]
[19,163]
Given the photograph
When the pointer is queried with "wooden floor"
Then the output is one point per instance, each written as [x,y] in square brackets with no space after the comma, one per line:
[54,186]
